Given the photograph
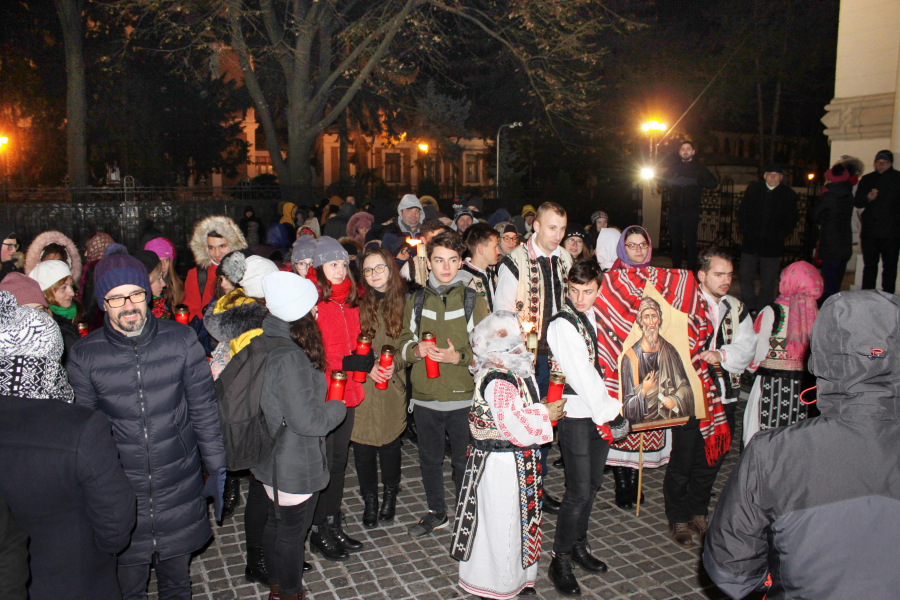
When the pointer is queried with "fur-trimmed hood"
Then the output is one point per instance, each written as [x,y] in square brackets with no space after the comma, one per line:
[221,224]
[33,256]
[236,321]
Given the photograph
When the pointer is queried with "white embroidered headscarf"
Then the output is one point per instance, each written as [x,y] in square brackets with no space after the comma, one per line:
[497,343]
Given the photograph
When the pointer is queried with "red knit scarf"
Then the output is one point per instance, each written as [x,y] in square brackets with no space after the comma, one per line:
[340,291]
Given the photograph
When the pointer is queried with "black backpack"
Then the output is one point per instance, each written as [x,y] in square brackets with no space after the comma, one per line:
[238,391]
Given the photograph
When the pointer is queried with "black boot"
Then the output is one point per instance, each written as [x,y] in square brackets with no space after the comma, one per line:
[370,510]
[562,577]
[389,503]
[336,529]
[551,504]
[623,487]
[633,475]
[232,497]
[320,541]
[581,554]
[256,567]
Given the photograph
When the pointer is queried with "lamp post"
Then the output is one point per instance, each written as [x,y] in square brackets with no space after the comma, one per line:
[3,142]
[511,126]
[652,128]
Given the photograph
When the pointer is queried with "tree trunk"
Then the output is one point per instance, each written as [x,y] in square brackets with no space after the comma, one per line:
[775,107]
[762,127]
[343,139]
[69,12]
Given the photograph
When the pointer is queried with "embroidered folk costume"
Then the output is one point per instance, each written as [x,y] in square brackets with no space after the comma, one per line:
[497,533]
[482,282]
[782,348]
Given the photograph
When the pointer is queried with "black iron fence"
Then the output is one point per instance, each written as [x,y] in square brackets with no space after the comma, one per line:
[719,224]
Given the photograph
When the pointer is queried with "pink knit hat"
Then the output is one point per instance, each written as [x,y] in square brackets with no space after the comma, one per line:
[163,248]
[24,288]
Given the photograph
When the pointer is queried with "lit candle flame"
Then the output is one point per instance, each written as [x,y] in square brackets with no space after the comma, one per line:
[413,242]
[528,326]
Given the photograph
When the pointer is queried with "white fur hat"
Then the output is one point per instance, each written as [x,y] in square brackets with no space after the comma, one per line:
[289,296]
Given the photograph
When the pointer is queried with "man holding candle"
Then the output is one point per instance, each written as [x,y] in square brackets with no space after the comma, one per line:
[483,242]
[572,338]
[531,281]
[447,309]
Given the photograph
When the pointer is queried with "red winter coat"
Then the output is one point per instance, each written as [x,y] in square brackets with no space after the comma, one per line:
[340,327]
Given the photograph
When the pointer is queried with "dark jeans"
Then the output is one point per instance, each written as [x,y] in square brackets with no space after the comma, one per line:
[542,374]
[888,249]
[431,426]
[683,230]
[173,579]
[768,280]
[584,453]
[337,447]
[832,274]
[367,458]
[687,486]
[284,544]
[256,513]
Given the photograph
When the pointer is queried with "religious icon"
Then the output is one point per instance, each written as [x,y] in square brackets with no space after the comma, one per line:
[659,385]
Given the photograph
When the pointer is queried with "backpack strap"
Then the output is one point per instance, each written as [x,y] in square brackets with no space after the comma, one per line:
[418,307]
[201,282]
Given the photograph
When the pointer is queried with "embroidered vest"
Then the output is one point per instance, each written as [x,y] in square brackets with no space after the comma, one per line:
[482,283]
[481,418]
[777,358]
[588,333]
[535,290]
[735,312]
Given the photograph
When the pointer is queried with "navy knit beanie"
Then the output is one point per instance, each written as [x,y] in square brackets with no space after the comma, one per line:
[118,268]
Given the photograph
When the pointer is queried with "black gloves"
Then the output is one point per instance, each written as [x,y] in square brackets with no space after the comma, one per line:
[359,362]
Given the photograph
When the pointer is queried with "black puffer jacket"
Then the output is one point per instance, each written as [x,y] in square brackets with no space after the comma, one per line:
[834,213]
[157,390]
[816,505]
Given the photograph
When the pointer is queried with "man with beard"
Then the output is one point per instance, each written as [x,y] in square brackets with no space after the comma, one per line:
[655,386]
[151,379]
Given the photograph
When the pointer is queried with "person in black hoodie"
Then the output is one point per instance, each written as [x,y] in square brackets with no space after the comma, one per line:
[833,213]
[768,214]
[812,510]
[879,194]
[686,179]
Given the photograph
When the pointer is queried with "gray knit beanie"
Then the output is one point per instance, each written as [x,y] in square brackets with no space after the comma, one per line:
[327,250]
[304,248]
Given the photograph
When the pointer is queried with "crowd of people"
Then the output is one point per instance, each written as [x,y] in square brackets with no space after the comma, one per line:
[130,397]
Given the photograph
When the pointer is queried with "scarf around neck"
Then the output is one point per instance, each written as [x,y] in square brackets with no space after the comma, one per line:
[67,313]
[341,291]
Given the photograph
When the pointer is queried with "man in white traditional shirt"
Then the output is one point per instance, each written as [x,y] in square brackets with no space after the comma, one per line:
[688,484]
[572,337]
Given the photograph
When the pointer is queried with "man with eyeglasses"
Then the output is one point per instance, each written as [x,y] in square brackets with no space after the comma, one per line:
[7,253]
[151,378]
[879,194]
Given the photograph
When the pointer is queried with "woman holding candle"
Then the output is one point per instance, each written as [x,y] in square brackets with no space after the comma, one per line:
[381,419]
[293,393]
[338,319]
[499,551]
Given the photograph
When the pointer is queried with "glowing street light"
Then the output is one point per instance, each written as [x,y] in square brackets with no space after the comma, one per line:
[647,173]
[423,147]
[652,129]
[3,141]
[811,176]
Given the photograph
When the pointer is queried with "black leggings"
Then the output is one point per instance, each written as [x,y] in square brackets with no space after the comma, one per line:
[284,543]
[256,513]
[337,447]
[367,465]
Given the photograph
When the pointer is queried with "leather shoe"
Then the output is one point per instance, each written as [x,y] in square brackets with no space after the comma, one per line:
[681,535]
[633,488]
[551,504]
[562,577]
[306,566]
[581,554]
[698,525]
[256,571]
[527,592]
[370,510]
[335,527]
[388,503]
[321,542]
[623,487]
[231,499]
[558,463]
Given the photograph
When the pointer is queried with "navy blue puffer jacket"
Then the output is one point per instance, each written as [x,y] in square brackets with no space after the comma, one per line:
[157,390]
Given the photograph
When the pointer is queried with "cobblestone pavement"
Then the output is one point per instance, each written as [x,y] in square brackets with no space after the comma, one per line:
[643,563]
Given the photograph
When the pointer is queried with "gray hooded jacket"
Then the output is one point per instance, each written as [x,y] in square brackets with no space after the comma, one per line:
[816,505]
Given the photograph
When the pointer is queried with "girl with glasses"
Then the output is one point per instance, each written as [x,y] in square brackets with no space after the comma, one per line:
[381,419]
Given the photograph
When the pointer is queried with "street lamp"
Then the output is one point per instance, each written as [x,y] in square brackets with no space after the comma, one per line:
[511,126]
[3,141]
[646,173]
[652,128]
[424,148]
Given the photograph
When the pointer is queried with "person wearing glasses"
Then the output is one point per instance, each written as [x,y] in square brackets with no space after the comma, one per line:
[509,237]
[634,249]
[151,379]
[381,419]
[8,253]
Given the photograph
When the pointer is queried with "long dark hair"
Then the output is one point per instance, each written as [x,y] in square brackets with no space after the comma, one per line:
[352,300]
[394,297]
[305,332]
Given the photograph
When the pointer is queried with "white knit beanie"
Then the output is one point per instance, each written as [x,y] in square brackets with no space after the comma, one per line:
[49,272]
[289,296]
[256,268]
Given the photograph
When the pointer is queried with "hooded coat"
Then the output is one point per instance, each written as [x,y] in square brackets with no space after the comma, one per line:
[33,255]
[409,201]
[816,505]
[360,219]
[194,298]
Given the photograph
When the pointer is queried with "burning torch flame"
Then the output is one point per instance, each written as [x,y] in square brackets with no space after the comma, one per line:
[413,242]
[528,326]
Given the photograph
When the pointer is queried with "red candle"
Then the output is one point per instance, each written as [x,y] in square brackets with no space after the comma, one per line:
[182,314]
[337,386]
[432,368]
[385,360]
[363,345]
[555,391]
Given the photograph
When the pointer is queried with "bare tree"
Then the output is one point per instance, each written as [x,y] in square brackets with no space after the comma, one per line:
[70,17]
